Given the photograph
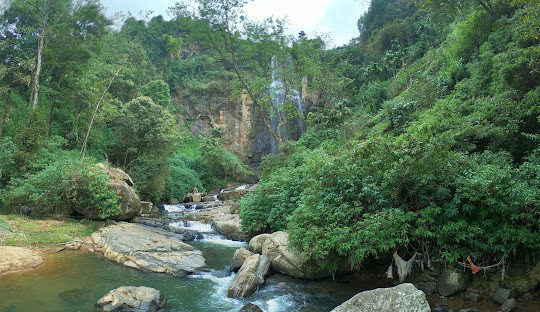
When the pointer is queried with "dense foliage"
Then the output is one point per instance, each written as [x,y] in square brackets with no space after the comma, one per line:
[436,151]
[423,133]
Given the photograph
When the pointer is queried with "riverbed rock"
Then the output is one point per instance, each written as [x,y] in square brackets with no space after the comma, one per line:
[121,183]
[508,305]
[250,276]
[230,226]
[250,307]
[232,195]
[502,294]
[148,208]
[193,198]
[145,248]
[453,280]
[401,298]
[289,262]
[14,259]
[132,299]
[240,256]
[256,243]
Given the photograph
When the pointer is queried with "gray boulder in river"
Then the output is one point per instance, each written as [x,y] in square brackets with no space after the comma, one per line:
[132,299]
[453,280]
[250,276]
[144,248]
[402,298]
[287,260]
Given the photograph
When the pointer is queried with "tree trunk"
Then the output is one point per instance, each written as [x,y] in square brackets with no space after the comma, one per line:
[51,119]
[5,111]
[32,103]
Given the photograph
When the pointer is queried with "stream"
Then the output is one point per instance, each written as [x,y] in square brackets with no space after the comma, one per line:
[75,280]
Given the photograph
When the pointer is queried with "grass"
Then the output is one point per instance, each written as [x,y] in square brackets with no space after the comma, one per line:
[16,230]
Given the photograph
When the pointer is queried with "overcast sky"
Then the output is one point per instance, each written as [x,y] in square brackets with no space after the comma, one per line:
[337,18]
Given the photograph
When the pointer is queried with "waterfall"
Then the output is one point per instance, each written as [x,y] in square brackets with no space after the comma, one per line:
[279,94]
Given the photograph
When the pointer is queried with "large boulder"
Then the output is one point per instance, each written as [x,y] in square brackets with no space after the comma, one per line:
[230,226]
[121,183]
[250,276]
[288,261]
[240,256]
[256,243]
[145,248]
[402,298]
[14,259]
[132,299]
[193,198]
[453,280]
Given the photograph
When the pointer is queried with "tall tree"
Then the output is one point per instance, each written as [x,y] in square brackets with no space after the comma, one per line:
[256,52]
[37,20]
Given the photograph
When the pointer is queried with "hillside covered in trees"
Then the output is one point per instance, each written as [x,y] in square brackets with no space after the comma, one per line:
[422,133]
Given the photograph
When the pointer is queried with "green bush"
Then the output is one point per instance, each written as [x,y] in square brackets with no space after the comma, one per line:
[60,187]
[182,178]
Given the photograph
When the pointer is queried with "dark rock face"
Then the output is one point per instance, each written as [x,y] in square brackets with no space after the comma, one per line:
[508,305]
[501,295]
[426,287]
[132,299]
[453,280]
[402,298]
[25,210]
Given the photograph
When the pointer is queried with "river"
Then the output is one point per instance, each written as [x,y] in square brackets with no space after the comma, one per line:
[74,281]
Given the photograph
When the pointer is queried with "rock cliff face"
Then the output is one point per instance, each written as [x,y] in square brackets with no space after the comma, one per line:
[240,126]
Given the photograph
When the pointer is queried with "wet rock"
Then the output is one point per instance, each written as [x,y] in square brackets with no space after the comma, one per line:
[469,310]
[501,294]
[427,288]
[453,280]
[289,262]
[132,299]
[250,307]
[401,298]
[187,235]
[250,276]
[13,259]
[230,226]
[471,296]
[75,244]
[25,210]
[174,201]
[121,183]
[240,256]
[508,305]
[256,243]
[150,222]
[145,248]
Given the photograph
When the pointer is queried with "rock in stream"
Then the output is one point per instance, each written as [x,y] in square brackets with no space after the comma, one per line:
[145,248]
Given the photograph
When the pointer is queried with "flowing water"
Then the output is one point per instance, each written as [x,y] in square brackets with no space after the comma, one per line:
[74,280]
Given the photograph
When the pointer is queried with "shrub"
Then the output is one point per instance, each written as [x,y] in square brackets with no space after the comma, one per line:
[182,179]
[60,187]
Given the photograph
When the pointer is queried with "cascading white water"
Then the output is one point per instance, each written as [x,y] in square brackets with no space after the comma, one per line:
[279,94]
